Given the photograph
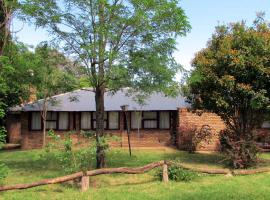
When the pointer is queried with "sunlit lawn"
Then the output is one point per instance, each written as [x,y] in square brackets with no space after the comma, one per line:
[26,166]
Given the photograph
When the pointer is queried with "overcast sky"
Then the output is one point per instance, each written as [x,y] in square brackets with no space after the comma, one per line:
[203,15]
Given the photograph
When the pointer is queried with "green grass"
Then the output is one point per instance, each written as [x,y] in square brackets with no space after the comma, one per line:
[26,166]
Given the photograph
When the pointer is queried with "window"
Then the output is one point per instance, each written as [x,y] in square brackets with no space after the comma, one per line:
[164,120]
[266,124]
[149,120]
[63,123]
[113,120]
[105,120]
[136,120]
[85,120]
[51,120]
[35,121]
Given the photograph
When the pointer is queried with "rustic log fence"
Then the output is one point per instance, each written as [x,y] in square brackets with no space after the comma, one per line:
[84,176]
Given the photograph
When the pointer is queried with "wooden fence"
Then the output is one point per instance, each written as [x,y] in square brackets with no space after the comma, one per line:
[84,176]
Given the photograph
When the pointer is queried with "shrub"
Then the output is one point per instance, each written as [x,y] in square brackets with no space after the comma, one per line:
[178,174]
[193,138]
[69,158]
[3,171]
[240,150]
[3,167]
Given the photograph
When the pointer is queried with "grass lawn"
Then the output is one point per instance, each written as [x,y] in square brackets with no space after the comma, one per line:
[26,167]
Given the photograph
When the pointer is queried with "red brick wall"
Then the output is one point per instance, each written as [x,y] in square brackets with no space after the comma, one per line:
[187,118]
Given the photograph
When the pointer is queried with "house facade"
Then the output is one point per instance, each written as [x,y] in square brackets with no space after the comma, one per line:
[155,122]
[152,123]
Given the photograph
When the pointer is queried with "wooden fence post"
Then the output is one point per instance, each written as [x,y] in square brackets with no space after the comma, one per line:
[84,183]
[165,177]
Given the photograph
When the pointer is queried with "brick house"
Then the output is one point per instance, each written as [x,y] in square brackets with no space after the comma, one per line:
[155,123]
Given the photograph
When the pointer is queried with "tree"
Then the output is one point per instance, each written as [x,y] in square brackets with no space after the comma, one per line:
[50,78]
[6,11]
[120,43]
[5,18]
[231,77]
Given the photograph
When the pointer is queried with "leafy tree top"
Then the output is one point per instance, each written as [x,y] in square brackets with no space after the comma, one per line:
[120,43]
[231,76]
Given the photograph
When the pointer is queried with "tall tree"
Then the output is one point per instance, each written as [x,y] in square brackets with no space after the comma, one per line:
[231,77]
[49,79]
[7,8]
[119,42]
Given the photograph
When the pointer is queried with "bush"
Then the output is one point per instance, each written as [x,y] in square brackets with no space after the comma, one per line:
[70,159]
[178,174]
[3,167]
[240,150]
[192,138]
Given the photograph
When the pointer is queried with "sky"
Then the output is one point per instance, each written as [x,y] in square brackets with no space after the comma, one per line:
[203,16]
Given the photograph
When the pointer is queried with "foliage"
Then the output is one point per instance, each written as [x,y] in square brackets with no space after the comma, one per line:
[3,171]
[70,158]
[2,136]
[51,77]
[62,150]
[3,167]
[119,43]
[52,74]
[231,78]
[193,137]
[176,173]
[7,8]
[239,152]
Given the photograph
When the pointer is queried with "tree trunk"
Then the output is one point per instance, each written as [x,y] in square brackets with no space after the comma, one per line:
[100,154]
[5,17]
[44,133]
[43,114]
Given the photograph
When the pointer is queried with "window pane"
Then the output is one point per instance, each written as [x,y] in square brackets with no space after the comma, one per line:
[36,121]
[150,124]
[266,125]
[149,115]
[63,121]
[51,116]
[113,120]
[85,120]
[51,125]
[164,120]
[136,120]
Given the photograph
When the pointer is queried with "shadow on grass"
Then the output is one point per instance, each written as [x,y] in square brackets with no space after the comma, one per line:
[202,159]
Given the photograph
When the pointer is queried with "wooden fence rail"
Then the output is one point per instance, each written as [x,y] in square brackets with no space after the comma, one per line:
[85,176]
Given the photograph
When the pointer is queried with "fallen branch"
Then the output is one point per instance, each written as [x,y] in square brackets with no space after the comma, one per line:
[124,170]
[250,171]
[43,182]
[11,146]
[201,170]
[221,171]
